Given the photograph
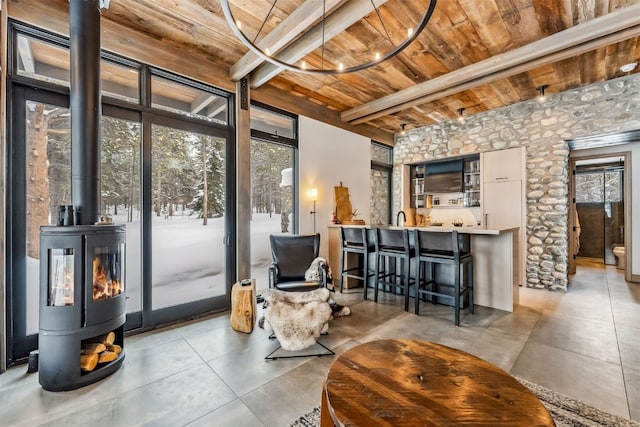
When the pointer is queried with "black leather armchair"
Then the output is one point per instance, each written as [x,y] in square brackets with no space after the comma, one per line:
[292,256]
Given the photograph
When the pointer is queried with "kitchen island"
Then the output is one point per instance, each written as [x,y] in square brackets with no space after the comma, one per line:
[495,261]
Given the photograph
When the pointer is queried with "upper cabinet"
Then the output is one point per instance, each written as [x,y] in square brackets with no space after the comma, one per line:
[503,165]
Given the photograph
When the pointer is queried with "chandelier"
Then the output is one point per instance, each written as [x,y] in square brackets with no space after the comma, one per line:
[328,43]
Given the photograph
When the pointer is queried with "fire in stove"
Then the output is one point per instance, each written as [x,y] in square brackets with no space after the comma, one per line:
[107,282]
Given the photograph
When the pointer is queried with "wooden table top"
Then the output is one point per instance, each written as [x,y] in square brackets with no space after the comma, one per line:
[420,383]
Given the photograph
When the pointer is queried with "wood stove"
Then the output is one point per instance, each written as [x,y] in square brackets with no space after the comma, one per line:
[82,299]
[82,302]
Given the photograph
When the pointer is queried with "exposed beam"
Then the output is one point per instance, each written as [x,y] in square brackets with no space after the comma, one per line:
[201,102]
[337,22]
[216,107]
[616,26]
[295,24]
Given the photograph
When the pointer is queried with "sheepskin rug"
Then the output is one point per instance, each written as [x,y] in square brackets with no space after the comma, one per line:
[297,318]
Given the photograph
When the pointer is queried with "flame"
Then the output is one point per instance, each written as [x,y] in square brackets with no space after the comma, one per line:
[104,286]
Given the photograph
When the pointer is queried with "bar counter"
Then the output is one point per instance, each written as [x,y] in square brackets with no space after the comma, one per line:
[495,253]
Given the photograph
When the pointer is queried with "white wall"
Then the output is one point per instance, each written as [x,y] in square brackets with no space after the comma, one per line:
[634,149]
[329,155]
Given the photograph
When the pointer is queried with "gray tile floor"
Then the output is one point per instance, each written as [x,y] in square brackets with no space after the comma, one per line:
[583,344]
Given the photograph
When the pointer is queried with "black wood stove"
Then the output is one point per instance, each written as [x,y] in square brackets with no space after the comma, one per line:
[81,300]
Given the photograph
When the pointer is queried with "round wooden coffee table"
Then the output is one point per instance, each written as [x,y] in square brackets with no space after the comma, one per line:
[420,383]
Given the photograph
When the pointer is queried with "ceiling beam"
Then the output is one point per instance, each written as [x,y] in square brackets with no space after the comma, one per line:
[611,28]
[295,24]
[201,102]
[217,107]
[341,19]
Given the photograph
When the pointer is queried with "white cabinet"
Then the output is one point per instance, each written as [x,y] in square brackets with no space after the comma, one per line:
[502,204]
[503,196]
[503,165]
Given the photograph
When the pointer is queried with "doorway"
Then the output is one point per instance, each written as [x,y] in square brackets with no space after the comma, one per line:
[600,207]
[598,215]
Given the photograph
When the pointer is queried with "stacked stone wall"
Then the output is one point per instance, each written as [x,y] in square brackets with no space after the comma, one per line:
[543,128]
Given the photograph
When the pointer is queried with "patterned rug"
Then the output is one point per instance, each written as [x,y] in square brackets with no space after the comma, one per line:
[566,412]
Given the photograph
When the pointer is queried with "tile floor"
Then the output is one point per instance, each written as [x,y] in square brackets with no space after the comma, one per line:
[583,344]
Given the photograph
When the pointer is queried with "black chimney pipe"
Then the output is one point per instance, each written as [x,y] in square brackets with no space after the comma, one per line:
[84,26]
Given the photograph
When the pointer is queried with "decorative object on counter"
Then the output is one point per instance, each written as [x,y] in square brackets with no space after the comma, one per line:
[344,211]
[458,222]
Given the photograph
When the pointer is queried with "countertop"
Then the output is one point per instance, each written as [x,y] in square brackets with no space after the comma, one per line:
[464,229]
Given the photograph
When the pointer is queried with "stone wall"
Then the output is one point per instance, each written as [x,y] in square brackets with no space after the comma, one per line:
[379,208]
[543,128]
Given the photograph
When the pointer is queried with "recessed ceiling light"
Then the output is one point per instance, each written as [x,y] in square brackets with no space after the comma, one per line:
[626,68]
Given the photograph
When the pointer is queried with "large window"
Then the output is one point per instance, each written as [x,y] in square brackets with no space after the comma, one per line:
[121,198]
[188,187]
[166,173]
[48,184]
[273,152]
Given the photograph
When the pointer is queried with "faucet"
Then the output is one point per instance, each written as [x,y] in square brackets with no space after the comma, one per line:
[404,218]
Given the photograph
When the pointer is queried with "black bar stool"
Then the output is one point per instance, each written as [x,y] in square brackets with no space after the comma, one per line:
[353,240]
[446,249]
[391,246]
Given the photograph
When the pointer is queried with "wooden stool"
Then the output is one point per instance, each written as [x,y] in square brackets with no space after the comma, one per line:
[243,305]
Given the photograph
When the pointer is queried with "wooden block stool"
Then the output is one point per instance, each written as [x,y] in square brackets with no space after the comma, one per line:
[243,305]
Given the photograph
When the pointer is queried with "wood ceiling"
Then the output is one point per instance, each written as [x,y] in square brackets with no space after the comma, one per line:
[473,54]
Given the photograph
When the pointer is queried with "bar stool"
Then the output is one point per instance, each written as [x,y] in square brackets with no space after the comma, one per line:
[445,249]
[353,240]
[393,245]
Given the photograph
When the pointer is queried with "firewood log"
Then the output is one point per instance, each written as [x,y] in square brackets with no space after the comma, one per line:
[114,348]
[93,348]
[104,339]
[107,356]
[88,362]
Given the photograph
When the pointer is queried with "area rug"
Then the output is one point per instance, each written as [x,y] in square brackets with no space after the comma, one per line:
[566,412]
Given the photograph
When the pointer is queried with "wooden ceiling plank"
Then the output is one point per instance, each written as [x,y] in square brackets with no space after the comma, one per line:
[575,40]
[487,21]
[446,90]
[335,23]
[295,24]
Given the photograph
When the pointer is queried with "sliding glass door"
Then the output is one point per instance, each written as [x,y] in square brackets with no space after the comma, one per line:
[190,219]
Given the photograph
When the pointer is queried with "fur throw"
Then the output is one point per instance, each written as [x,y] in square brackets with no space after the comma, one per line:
[313,272]
[297,318]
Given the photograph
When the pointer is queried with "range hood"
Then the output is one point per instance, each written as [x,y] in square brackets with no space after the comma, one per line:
[444,177]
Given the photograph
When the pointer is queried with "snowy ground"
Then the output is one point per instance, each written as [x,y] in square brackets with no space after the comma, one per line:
[187,261]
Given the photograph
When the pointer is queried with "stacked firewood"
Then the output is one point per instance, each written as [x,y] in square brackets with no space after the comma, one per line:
[99,350]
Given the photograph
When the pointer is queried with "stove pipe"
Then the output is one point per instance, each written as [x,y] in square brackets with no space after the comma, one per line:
[84,25]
